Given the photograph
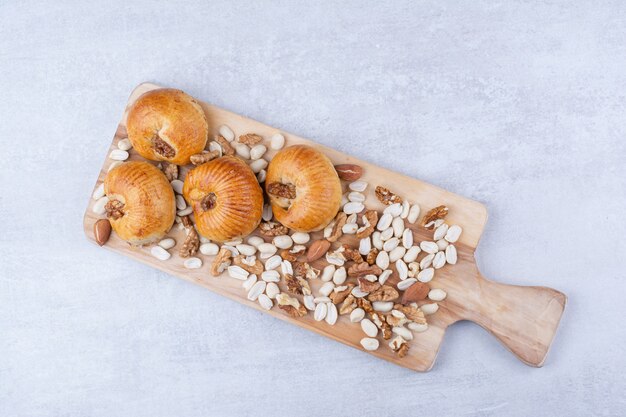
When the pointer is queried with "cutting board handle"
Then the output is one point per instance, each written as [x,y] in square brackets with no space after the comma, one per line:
[524,319]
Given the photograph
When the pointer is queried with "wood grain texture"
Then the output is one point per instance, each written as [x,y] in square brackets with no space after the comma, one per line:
[524,319]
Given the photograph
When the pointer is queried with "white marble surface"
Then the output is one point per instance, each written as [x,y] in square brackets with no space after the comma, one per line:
[520,105]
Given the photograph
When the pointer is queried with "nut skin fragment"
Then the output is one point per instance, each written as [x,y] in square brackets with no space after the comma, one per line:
[226,148]
[221,261]
[386,197]
[279,189]
[368,286]
[191,245]
[340,296]
[250,139]
[340,221]
[349,172]
[256,269]
[201,158]
[370,219]
[102,231]
[437,213]
[317,250]
[416,292]
[170,171]
[384,293]
[371,256]
[361,269]
[273,229]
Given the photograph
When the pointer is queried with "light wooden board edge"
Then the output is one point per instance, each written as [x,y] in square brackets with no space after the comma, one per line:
[468,213]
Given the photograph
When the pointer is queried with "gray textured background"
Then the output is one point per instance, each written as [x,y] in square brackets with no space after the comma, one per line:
[520,105]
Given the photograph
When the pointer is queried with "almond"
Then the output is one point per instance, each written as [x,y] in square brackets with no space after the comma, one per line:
[349,172]
[416,292]
[317,250]
[102,231]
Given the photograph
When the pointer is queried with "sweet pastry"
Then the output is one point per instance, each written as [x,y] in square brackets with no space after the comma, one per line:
[141,206]
[303,187]
[167,125]
[226,198]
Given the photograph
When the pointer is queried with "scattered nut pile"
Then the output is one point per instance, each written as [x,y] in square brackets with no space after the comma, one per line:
[276,268]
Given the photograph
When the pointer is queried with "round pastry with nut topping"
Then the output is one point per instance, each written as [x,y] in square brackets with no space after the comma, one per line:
[141,206]
[304,189]
[226,198]
[167,125]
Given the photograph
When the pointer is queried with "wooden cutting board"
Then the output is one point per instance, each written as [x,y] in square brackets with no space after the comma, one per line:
[524,319]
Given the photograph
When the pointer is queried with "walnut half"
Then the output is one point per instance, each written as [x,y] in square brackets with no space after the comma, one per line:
[279,189]
[412,312]
[297,285]
[386,197]
[340,294]
[114,209]
[371,256]
[221,261]
[162,147]
[370,219]
[226,148]
[273,229]
[191,245]
[201,158]
[290,305]
[170,171]
[368,286]
[348,304]
[437,213]
[384,293]
[340,221]
[363,268]
[250,139]
[252,266]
